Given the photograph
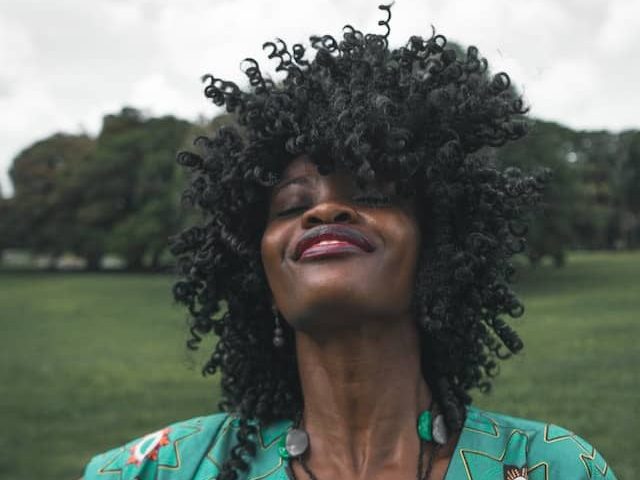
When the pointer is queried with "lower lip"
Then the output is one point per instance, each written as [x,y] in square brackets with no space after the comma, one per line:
[330,250]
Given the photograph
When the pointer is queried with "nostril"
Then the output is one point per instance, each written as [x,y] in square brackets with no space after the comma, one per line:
[342,217]
[328,212]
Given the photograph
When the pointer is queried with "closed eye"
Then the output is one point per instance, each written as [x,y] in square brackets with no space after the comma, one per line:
[291,211]
[373,200]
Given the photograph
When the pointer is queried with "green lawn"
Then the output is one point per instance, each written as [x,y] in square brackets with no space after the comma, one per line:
[90,361]
[581,363]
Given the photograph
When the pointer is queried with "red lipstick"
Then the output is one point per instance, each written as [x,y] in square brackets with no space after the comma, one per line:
[330,240]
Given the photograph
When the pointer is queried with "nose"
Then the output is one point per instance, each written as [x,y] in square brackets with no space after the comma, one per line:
[328,212]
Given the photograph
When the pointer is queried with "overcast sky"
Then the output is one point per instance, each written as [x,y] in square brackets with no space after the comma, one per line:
[66,63]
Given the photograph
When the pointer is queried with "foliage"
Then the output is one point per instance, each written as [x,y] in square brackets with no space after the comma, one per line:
[548,146]
[135,199]
[592,200]
[41,202]
[628,189]
[118,193]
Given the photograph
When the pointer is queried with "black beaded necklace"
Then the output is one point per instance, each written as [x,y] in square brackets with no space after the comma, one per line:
[295,445]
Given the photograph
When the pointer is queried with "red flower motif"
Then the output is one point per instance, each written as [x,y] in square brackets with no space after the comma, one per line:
[148,446]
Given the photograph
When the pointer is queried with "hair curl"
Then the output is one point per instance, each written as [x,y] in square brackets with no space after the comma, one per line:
[418,115]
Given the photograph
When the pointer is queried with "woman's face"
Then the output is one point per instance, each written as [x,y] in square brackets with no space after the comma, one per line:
[333,259]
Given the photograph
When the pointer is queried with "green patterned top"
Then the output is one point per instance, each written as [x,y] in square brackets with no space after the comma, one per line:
[491,447]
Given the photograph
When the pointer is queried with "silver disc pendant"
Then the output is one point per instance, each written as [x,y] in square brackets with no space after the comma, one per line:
[297,442]
[439,430]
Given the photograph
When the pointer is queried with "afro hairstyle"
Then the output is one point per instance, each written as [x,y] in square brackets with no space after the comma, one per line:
[424,116]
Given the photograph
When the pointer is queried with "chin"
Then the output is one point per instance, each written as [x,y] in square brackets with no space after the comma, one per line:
[338,305]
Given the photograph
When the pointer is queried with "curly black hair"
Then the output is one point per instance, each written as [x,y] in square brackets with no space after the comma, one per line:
[417,115]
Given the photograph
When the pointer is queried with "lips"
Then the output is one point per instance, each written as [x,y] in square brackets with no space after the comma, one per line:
[330,240]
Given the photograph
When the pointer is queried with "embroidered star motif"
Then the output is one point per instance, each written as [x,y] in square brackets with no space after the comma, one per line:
[512,461]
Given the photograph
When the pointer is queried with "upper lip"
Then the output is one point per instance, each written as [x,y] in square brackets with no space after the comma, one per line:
[332,232]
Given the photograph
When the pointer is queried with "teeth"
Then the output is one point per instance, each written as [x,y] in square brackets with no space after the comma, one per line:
[330,242]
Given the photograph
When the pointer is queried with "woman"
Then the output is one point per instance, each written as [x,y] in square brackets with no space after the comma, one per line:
[354,261]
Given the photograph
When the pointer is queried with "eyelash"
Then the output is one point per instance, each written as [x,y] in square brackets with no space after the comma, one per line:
[373,200]
[291,211]
[366,200]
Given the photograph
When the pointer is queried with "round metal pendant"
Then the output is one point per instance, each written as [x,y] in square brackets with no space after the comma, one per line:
[439,430]
[297,442]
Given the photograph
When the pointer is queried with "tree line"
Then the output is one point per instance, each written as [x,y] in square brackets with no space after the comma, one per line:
[592,200]
[119,192]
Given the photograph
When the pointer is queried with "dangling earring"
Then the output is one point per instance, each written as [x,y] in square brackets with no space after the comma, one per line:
[278,333]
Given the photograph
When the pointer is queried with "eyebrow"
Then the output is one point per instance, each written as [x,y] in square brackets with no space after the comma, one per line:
[300,180]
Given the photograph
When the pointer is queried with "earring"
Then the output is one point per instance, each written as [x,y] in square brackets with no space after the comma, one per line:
[278,333]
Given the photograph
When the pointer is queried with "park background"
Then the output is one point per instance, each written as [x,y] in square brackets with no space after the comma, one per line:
[97,99]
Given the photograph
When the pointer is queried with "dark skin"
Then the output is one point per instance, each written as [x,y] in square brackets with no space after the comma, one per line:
[356,339]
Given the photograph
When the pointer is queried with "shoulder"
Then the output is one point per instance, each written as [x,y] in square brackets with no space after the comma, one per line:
[177,451]
[547,451]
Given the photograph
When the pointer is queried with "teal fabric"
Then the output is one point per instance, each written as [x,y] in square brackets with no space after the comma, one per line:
[491,447]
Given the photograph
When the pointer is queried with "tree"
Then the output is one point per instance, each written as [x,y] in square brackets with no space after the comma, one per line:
[596,221]
[8,237]
[551,146]
[118,193]
[628,181]
[149,205]
[41,215]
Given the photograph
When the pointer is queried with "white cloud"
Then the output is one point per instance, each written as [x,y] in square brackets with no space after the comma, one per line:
[155,91]
[559,92]
[620,30]
[67,63]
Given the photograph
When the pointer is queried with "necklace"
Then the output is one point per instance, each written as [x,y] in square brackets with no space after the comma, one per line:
[295,445]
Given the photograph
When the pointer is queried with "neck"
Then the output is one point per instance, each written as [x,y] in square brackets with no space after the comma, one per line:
[363,392]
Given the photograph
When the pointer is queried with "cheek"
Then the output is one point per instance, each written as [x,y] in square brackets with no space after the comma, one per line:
[405,235]
[272,251]
[412,241]
[268,251]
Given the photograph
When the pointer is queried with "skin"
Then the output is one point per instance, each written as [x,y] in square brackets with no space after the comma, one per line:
[356,340]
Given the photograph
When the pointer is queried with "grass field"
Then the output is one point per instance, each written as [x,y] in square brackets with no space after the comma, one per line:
[88,362]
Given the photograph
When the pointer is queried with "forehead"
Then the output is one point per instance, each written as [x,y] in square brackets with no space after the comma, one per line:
[303,166]
[300,166]
[303,171]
